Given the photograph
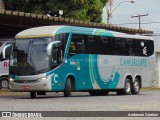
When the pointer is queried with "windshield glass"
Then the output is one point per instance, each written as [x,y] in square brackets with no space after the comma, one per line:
[29,56]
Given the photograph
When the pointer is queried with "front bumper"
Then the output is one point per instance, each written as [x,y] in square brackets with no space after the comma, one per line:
[30,85]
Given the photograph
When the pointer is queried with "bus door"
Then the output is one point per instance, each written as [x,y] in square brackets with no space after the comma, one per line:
[80,53]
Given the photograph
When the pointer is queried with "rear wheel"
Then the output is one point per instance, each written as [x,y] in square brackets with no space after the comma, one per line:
[67,91]
[136,87]
[127,88]
[33,94]
[4,84]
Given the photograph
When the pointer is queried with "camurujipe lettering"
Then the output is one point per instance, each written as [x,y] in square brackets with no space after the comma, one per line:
[133,62]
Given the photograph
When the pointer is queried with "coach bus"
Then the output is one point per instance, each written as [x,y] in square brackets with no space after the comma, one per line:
[68,58]
[4,62]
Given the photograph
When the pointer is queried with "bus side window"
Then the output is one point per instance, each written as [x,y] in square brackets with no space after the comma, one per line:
[105,46]
[130,47]
[72,48]
[149,47]
[139,48]
[119,46]
[63,38]
[145,47]
[77,45]
[91,45]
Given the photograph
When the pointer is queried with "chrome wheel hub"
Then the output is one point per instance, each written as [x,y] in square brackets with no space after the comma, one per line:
[136,86]
[128,87]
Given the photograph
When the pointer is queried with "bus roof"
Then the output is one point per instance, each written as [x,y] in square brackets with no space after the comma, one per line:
[46,31]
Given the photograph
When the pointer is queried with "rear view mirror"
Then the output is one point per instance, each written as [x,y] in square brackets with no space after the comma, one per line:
[6,52]
[51,45]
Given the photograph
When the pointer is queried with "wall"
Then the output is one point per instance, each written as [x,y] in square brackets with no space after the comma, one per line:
[1,5]
[157,55]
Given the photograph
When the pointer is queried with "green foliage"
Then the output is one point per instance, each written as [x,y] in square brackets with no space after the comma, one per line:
[88,10]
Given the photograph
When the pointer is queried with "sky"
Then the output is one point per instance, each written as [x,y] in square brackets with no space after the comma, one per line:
[122,14]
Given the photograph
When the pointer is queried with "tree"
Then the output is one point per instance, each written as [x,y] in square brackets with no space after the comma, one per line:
[88,10]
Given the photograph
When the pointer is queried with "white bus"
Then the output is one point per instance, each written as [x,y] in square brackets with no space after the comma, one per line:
[68,58]
[4,63]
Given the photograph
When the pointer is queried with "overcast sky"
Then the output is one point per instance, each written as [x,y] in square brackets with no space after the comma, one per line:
[122,15]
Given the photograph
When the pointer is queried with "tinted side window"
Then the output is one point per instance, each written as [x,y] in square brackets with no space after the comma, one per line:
[145,47]
[58,53]
[89,44]
[149,47]
[119,46]
[99,45]
[63,38]
[105,47]
[131,47]
[77,44]
[92,45]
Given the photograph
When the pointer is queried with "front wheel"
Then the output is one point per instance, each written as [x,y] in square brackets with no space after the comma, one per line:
[135,87]
[67,91]
[4,84]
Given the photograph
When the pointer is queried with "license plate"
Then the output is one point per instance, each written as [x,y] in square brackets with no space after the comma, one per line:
[26,87]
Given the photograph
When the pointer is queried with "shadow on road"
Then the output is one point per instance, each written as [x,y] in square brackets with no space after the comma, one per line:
[26,95]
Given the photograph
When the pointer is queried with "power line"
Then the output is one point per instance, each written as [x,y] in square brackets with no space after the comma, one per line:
[139,17]
[137,23]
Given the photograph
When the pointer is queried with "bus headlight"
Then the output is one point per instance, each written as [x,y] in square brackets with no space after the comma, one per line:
[43,78]
[11,79]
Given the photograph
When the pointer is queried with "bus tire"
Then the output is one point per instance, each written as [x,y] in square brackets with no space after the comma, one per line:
[127,88]
[136,86]
[67,90]
[33,94]
[4,83]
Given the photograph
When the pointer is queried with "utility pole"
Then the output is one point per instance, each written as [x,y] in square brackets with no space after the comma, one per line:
[139,17]
[110,11]
[109,15]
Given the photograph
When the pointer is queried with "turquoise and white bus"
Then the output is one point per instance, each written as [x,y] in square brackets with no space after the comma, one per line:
[69,58]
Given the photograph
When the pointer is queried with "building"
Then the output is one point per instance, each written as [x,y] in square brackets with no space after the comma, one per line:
[12,22]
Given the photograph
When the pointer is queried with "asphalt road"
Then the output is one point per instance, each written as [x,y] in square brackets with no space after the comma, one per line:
[147,100]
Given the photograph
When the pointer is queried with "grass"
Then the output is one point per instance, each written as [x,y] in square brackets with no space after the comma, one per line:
[151,88]
[7,90]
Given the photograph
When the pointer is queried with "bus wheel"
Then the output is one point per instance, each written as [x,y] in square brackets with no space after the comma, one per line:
[33,94]
[4,84]
[127,88]
[67,91]
[136,87]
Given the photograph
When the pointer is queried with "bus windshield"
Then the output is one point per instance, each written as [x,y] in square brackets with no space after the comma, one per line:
[30,57]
